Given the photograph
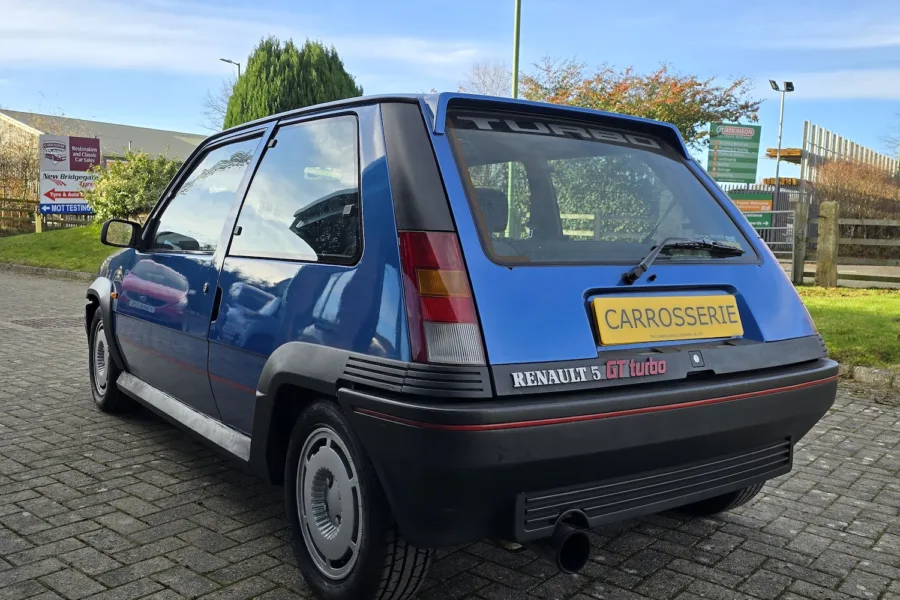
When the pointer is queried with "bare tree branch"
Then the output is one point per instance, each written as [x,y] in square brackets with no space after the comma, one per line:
[490,78]
[891,141]
[216,105]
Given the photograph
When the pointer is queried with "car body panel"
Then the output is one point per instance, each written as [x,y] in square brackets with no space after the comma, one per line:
[455,444]
[267,303]
[551,317]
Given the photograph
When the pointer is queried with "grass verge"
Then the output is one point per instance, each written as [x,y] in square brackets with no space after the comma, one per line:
[861,326]
[76,249]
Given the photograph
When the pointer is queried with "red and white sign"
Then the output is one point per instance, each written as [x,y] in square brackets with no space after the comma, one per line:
[65,172]
[65,186]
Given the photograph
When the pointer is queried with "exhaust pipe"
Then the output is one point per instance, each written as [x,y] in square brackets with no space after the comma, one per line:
[569,546]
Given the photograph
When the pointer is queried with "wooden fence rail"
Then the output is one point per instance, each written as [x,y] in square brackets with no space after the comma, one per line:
[856,241]
[829,241]
[16,216]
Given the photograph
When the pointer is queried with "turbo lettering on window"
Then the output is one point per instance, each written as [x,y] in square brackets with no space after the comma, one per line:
[559,129]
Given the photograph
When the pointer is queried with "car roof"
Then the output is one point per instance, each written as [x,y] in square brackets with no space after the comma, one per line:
[436,105]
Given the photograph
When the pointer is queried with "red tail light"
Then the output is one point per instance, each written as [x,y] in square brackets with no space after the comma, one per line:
[443,325]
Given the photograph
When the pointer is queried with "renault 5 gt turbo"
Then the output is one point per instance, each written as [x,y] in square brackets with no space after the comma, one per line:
[443,318]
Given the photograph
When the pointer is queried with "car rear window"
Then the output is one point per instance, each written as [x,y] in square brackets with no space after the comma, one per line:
[550,191]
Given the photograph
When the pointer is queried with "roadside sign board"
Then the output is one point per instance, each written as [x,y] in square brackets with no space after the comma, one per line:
[756,206]
[733,152]
[65,164]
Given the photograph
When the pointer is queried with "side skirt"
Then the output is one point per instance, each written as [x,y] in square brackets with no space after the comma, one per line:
[215,432]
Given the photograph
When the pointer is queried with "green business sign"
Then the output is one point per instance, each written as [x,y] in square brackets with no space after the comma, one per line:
[757,207]
[733,152]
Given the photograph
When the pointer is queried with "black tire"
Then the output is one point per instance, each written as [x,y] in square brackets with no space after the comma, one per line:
[723,503]
[386,566]
[107,396]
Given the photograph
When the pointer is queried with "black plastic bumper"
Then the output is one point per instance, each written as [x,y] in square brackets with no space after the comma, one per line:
[460,472]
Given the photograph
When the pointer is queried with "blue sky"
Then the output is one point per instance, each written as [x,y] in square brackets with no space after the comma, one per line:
[151,62]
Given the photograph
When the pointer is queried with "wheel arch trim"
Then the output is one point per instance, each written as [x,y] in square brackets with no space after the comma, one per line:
[313,368]
[100,293]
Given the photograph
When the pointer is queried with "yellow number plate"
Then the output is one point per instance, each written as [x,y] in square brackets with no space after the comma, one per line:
[632,320]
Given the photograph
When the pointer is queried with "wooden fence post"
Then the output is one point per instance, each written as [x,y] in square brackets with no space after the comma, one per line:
[827,245]
[801,225]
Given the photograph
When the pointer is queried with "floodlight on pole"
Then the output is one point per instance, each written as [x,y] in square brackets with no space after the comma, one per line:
[231,62]
[788,87]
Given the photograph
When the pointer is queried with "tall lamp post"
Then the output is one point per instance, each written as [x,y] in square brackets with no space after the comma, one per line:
[515,64]
[788,87]
[231,62]
[512,225]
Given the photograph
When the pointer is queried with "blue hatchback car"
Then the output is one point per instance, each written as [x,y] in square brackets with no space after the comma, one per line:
[443,318]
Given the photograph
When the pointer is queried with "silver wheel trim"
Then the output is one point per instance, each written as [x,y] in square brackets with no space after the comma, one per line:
[100,355]
[329,503]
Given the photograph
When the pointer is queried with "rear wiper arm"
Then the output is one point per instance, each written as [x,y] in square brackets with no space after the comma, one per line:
[715,248]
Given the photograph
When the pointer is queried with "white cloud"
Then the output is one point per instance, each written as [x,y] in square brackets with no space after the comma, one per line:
[160,35]
[848,32]
[860,84]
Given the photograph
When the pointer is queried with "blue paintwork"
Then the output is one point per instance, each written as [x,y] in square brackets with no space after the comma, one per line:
[266,303]
[551,317]
[527,313]
[167,348]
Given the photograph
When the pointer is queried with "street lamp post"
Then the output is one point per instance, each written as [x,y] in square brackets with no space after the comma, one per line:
[515,64]
[231,62]
[512,225]
[788,87]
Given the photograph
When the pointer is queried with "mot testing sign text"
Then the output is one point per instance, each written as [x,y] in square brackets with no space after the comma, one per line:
[65,164]
[733,152]
[756,206]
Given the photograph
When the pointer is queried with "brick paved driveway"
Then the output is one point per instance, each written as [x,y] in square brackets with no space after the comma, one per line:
[105,507]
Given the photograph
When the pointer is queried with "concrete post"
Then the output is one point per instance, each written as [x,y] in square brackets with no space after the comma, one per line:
[801,224]
[827,245]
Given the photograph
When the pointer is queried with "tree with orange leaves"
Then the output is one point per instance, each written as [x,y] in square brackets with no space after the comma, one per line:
[686,101]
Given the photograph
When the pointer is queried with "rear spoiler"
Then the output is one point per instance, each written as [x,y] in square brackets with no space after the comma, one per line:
[435,107]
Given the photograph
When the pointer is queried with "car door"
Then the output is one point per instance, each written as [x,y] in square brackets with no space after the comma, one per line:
[166,299]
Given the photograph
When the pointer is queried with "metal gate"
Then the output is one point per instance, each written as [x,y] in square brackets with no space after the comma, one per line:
[777,231]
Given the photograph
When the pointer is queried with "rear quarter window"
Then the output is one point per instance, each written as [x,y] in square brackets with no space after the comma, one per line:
[303,202]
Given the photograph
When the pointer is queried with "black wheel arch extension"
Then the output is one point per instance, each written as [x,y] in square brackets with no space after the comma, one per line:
[99,297]
[299,372]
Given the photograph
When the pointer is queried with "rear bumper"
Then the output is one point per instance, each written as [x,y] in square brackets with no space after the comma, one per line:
[459,472]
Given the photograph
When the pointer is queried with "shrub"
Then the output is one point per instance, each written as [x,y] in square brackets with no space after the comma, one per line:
[128,189]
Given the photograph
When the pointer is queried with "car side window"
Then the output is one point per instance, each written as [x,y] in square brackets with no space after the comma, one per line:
[303,202]
[192,221]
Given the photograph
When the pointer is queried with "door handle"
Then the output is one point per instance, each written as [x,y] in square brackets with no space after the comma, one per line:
[215,307]
[205,288]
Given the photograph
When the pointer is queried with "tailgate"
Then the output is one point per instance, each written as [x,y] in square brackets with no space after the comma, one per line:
[552,211]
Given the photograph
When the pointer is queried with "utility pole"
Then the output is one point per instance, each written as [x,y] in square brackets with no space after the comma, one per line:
[788,87]
[515,64]
[231,62]
[512,223]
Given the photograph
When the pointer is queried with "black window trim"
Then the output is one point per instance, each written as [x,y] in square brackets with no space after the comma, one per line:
[275,127]
[148,231]
[750,258]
